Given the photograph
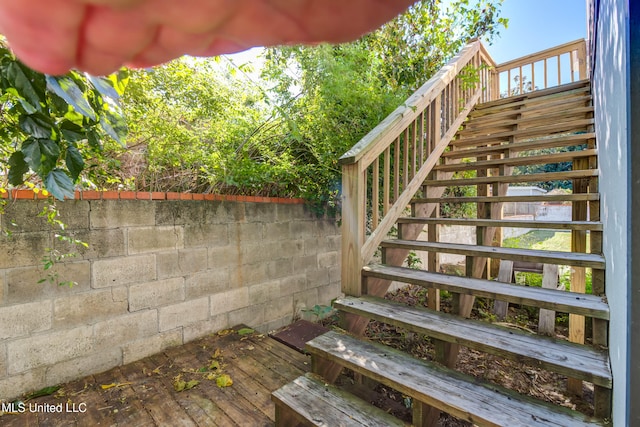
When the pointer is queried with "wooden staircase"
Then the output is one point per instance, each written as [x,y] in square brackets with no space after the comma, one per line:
[409,161]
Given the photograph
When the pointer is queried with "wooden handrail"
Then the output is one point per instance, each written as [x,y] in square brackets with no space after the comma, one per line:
[577,52]
[384,170]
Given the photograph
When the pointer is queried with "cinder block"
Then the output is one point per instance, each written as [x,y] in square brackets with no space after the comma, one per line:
[122,213]
[317,278]
[302,229]
[292,285]
[305,263]
[289,248]
[207,283]
[274,231]
[307,298]
[264,292]
[16,385]
[21,216]
[3,361]
[326,227]
[206,327]
[260,212]
[335,274]
[334,242]
[32,352]
[3,286]
[286,213]
[74,214]
[245,233]
[156,294]
[313,245]
[229,301]
[251,316]
[278,308]
[123,270]
[328,293]
[23,319]
[246,275]
[225,256]
[148,346]
[86,308]
[23,286]
[208,235]
[280,268]
[24,249]
[121,330]
[225,212]
[82,366]
[155,239]
[328,260]
[180,212]
[103,243]
[182,262]
[183,314]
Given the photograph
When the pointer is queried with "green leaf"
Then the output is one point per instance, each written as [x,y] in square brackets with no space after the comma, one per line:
[37,125]
[74,162]
[59,184]
[104,86]
[23,80]
[42,392]
[39,153]
[68,90]
[245,331]
[72,132]
[114,125]
[17,168]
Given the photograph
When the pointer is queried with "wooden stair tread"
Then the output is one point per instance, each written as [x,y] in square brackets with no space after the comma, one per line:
[569,126]
[547,225]
[565,156]
[552,176]
[455,393]
[316,403]
[551,299]
[476,126]
[543,198]
[533,144]
[537,95]
[526,110]
[572,360]
[513,254]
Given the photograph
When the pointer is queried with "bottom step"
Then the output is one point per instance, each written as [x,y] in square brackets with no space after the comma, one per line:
[307,400]
[457,394]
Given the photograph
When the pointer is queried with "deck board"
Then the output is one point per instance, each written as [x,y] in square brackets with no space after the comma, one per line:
[257,364]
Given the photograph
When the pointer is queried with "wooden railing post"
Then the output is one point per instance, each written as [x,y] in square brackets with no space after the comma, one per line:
[353,228]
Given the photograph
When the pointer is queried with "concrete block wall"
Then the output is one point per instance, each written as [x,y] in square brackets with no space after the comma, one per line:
[157,273]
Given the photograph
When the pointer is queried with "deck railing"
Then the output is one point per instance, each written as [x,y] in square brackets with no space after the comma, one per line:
[552,67]
[384,170]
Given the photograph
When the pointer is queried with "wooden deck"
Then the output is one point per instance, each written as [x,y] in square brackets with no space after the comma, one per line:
[143,393]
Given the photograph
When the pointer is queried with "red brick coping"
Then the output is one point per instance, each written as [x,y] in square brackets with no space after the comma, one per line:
[150,195]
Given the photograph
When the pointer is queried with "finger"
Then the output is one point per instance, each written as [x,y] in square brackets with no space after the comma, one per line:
[43,34]
[112,37]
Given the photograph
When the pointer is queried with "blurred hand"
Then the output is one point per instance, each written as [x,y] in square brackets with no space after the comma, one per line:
[99,36]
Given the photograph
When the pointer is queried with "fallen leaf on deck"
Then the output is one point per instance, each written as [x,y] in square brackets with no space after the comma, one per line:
[180,385]
[224,381]
[215,365]
[245,331]
[224,332]
[42,392]
[112,385]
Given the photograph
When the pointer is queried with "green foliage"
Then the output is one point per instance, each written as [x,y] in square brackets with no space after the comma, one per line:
[50,125]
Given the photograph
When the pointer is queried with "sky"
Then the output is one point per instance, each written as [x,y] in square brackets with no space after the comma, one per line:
[535,25]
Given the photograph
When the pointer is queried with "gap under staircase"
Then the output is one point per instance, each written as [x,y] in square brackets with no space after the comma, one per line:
[397,178]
